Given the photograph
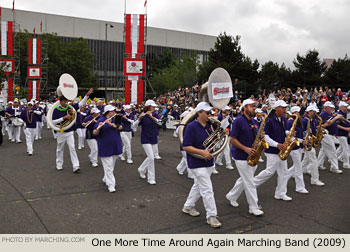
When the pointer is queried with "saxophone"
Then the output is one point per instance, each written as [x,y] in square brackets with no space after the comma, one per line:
[309,139]
[288,143]
[319,133]
[259,143]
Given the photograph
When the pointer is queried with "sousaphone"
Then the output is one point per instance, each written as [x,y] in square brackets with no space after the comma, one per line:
[218,92]
[69,89]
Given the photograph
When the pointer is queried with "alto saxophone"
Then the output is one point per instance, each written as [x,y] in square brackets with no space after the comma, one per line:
[309,138]
[259,143]
[319,133]
[288,143]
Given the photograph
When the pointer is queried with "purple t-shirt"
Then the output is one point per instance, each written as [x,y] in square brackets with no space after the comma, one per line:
[195,135]
[149,130]
[244,131]
[108,140]
[333,129]
[275,129]
[126,123]
[299,132]
[29,119]
[342,132]
[61,112]
[90,128]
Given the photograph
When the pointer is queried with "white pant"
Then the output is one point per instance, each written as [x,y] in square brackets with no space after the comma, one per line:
[310,161]
[62,138]
[93,156]
[39,127]
[202,187]
[182,166]
[246,183]
[273,164]
[148,163]
[328,149]
[29,133]
[126,139]
[15,133]
[81,137]
[296,169]
[108,164]
[155,150]
[227,153]
[344,151]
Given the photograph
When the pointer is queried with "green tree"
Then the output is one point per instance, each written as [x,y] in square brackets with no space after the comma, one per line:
[181,73]
[162,61]
[338,75]
[227,53]
[309,69]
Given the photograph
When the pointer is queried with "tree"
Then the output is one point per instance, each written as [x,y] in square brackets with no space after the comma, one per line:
[162,61]
[309,69]
[227,53]
[338,75]
[181,73]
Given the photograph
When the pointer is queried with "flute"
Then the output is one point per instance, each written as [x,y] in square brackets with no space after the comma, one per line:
[92,120]
[100,126]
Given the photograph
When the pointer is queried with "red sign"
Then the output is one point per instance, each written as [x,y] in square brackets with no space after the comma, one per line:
[134,66]
[34,72]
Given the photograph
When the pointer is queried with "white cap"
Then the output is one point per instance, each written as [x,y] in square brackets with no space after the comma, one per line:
[31,103]
[212,112]
[280,103]
[127,107]
[37,102]
[186,107]
[190,109]
[247,101]
[349,107]
[258,110]
[10,102]
[175,105]
[111,101]
[156,109]
[16,100]
[264,106]
[108,108]
[342,104]
[311,108]
[150,103]
[295,109]
[328,104]
[203,106]
[95,110]
[226,108]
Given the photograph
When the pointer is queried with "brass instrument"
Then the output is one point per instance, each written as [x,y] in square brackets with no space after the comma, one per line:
[70,111]
[309,138]
[288,143]
[259,143]
[319,133]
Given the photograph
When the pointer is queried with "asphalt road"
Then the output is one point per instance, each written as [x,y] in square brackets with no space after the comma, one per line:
[36,198]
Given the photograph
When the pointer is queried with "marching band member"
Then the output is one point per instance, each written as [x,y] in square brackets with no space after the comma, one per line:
[59,115]
[227,118]
[242,137]
[343,133]
[259,119]
[182,166]
[328,146]
[196,132]
[126,134]
[155,146]
[109,144]
[89,124]
[309,163]
[81,130]
[39,120]
[29,118]
[13,113]
[9,113]
[149,132]
[275,136]
[296,170]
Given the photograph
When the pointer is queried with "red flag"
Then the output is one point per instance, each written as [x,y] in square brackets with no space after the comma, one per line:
[34,32]
[41,26]
[143,5]
[0,12]
[13,6]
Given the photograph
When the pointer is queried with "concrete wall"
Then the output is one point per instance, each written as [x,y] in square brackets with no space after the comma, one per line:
[96,29]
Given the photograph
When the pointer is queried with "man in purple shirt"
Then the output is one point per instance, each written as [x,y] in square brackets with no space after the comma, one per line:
[275,136]
[343,151]
[196,132]
[242,137]
[58,116]
[128,120]
[13,112]
[328,146]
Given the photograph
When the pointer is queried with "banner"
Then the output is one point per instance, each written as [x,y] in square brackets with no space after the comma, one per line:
[6,38]
[34,68]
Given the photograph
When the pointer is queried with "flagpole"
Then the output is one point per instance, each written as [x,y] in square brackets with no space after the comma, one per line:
[124,7]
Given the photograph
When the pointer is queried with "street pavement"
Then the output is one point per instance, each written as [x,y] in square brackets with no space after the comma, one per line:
[36,198]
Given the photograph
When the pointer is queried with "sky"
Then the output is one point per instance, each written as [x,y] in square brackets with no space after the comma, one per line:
[273,30]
